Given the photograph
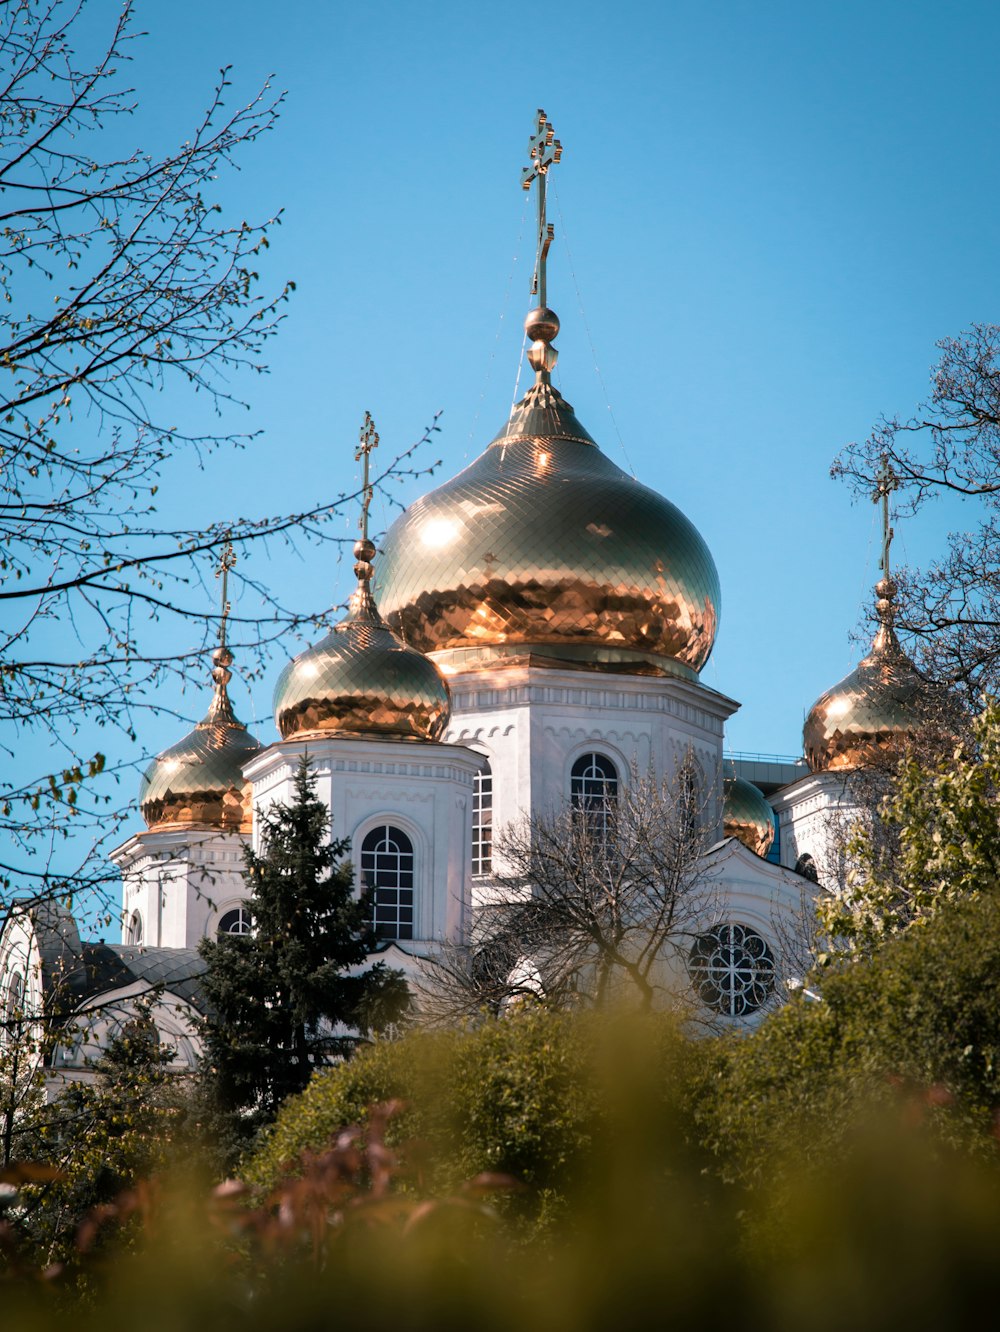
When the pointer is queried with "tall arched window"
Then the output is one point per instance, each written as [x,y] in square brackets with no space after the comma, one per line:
[236,921]
[593,790]
[13,1007]
[135,930]
[482,822]
[387,868]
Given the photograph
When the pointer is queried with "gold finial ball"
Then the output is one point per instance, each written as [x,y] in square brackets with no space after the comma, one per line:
[885,590]
[542,324]
[222,659]
[364,549]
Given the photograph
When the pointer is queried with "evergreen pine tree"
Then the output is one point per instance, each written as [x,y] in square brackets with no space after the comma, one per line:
[293,995]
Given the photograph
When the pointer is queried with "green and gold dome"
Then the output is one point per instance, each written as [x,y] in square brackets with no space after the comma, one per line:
[874,708]
[198,783]
[543,545]
[746,815]
[361,679]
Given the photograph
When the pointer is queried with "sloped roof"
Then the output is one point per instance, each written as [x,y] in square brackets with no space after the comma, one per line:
[115,966]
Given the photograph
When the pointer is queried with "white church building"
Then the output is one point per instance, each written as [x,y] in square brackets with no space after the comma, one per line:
[529,635]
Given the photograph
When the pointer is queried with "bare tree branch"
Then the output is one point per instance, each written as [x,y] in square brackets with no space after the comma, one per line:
[950,446]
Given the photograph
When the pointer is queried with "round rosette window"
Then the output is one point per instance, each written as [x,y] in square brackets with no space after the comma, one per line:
[732,969]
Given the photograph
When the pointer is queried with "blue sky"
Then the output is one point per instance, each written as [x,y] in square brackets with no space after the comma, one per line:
[766,215]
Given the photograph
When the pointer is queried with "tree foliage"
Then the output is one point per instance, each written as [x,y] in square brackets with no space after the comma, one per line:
[533,1096]
[295,994]
[941,820]
[95,1140]
[837,1166]
[919,1019]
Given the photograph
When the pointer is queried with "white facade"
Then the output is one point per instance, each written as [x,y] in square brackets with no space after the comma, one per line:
[178,885]
[814,814]
[533,723]
[422,787]
[99,1020]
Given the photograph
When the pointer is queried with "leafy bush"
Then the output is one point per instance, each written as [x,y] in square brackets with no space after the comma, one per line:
[921,1017]
[884,1233]
[533,1096]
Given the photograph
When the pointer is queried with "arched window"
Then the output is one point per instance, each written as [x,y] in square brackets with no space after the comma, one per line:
[387,868]
[13,1006]
[593,781]
[482,822]
[732,969]
[236,921]
[593,790]
[135,930]
[806,866]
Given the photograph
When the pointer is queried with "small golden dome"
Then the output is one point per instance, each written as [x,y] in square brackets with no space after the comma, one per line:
[360,679]
[747,816]
[871,710]
[544,543]
[198,783]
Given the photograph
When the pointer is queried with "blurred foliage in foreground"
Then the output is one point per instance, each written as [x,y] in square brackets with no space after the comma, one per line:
[839,1168]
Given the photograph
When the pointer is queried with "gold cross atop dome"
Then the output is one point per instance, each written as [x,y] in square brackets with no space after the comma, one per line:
[542,324]
[886,482]
[227,561]
[368,441]
[544,149]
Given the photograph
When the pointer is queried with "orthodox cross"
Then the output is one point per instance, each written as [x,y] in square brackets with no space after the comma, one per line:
[886,482]
[368,441]
[227,561]
[543,149]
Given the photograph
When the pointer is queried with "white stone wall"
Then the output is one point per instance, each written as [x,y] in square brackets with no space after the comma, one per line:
[768,899]
[534,722]
[813,816]
[19,957]
[96,1023]
[421,787]
[181,883]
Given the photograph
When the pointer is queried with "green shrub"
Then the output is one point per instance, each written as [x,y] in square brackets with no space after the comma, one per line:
[534,1096]
[920,1019]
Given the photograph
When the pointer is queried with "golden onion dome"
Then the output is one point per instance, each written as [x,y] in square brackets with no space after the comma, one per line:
[360,679]
[544,545]
[198,783]
[871,710]
[746,815]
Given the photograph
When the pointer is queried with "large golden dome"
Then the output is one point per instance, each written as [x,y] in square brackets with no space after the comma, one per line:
[544,544]
[360,679]
[198,783]
[746,815]
[873,709]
